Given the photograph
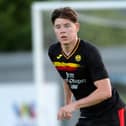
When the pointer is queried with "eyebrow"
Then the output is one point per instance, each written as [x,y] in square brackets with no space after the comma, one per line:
[63,24]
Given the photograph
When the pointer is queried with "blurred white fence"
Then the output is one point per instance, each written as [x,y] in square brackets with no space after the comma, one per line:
[18,67]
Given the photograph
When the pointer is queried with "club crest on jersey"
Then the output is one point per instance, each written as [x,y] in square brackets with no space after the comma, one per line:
[59,56]
[78,58]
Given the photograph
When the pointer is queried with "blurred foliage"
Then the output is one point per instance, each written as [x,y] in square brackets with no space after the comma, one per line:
[104,35]
[15,25]
[96,33]
[15,28]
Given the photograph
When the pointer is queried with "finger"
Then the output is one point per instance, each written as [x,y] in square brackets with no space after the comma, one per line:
[67,115]
[60,116]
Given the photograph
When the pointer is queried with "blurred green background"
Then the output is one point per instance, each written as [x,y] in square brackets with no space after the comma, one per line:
[16,30]
[108,32]
[15,27]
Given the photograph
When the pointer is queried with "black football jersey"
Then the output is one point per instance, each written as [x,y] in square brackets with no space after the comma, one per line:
[81,69]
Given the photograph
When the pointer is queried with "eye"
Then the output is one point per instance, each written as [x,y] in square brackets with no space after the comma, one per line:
[57,26]
[67,25]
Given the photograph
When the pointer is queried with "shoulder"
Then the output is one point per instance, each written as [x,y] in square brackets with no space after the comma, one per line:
[88,46]
[54,48]
[92,53]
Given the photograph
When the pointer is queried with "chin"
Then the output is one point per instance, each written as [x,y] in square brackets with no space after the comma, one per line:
[64,42]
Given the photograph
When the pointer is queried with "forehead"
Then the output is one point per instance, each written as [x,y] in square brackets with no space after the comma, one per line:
[62,21]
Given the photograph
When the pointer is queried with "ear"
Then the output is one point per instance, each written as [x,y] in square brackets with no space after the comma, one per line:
[78,26]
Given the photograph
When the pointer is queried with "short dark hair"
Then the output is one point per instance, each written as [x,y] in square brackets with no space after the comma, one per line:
[66,13]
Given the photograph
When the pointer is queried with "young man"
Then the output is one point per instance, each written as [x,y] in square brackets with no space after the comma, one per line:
[81,67]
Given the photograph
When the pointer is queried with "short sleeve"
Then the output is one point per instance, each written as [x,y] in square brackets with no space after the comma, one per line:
[95,64]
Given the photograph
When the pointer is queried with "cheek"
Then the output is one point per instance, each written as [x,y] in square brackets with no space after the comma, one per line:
[72,31]
[56,32]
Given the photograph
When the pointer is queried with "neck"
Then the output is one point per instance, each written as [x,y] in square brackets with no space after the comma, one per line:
[67,48]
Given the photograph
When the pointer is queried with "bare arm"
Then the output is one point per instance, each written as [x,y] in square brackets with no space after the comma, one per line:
[102,93]
[63,113]
[67,94]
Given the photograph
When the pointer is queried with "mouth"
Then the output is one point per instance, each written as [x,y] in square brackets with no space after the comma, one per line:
[64,37]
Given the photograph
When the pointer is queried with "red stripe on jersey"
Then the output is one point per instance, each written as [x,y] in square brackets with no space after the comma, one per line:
[66,68]
[121,116]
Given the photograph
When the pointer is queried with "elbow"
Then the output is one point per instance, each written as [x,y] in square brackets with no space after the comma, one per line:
[110,94]
[107,95]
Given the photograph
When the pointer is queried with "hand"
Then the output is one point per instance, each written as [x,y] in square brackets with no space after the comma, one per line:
[66,112]
[63,114]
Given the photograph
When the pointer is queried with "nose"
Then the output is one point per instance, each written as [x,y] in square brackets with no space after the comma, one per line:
[62,30]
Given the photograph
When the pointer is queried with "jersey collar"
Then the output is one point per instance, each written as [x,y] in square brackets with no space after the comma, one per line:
[73,51]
